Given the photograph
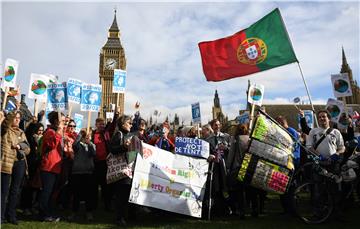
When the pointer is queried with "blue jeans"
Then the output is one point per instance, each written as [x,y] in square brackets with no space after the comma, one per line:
[11,184]
[48,181]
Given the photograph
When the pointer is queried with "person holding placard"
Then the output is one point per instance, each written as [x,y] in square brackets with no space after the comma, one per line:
[14,148]
[120,143]
[51,159]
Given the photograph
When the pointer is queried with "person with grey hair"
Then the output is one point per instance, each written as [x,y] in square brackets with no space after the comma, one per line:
[119,145]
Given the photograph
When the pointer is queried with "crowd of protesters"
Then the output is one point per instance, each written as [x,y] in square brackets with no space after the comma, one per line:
[47,167]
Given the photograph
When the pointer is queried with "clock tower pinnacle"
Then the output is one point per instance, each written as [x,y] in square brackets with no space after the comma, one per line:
[112,56]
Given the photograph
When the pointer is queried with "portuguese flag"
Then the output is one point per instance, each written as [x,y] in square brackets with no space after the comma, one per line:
[262,46]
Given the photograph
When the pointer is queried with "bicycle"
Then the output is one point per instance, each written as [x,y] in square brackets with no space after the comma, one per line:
[315,199]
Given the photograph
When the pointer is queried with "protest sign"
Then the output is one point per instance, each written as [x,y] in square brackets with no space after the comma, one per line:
[195,111]
[335,108]
[10,73]
[169,181]
[90,97]
[119,81]
[341,85]
[243,118]
[309,117]
[256,94]
[57,97]
[78,119]
[38,86]
[74,90]
[192,147]
[268,164]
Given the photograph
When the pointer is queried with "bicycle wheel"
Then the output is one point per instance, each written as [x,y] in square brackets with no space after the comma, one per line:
[312,202]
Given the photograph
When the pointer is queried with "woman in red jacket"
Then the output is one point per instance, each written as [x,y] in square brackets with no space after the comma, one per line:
[51,158]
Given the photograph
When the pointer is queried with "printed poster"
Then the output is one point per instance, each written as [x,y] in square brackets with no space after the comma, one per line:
[57,97]
[10,73]
[78,119]
[74,90]
[195,111]
[119,81]
[38,86]
[335,108]
[256,94]
[341,85]
[90,97]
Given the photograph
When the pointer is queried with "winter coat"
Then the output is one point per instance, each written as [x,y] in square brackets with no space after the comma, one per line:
[13,136]
[51,151]
[83,157]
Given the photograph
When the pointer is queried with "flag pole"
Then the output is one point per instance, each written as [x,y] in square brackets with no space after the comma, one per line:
[36,108]
[251,116]
[308,93]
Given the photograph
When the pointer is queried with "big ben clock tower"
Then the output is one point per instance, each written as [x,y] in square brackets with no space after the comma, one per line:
[112,56]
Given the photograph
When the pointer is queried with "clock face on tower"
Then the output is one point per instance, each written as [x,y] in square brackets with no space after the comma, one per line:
[110,64]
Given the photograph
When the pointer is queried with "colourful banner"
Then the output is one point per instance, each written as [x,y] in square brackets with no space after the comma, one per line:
[192,147]
[74,90]
[10,73]
[90,97]
[169,181]
[57,97]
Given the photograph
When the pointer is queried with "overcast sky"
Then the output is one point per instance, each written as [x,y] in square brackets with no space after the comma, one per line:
[164,70]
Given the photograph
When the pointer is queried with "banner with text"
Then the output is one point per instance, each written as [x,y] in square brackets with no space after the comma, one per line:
[10,72]
[74,90]
[90,97]
[168,181]
[119,81]
[57,97]
[192,147]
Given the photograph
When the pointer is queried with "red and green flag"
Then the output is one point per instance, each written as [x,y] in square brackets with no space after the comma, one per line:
[262,46]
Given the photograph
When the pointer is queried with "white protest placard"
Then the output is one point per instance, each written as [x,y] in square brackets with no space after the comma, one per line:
[78,119]
[195,113]
[256,94]
[74,90]
[38,86]
[169,181]
[57,97]
[119,81]
[192,147]
[90,97]
[335,108]
[10,73]
[109,115]
[341,85]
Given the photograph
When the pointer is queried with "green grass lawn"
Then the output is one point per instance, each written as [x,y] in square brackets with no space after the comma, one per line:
[272,220]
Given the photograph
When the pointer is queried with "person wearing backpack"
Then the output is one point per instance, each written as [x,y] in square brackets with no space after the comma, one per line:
[50,166]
